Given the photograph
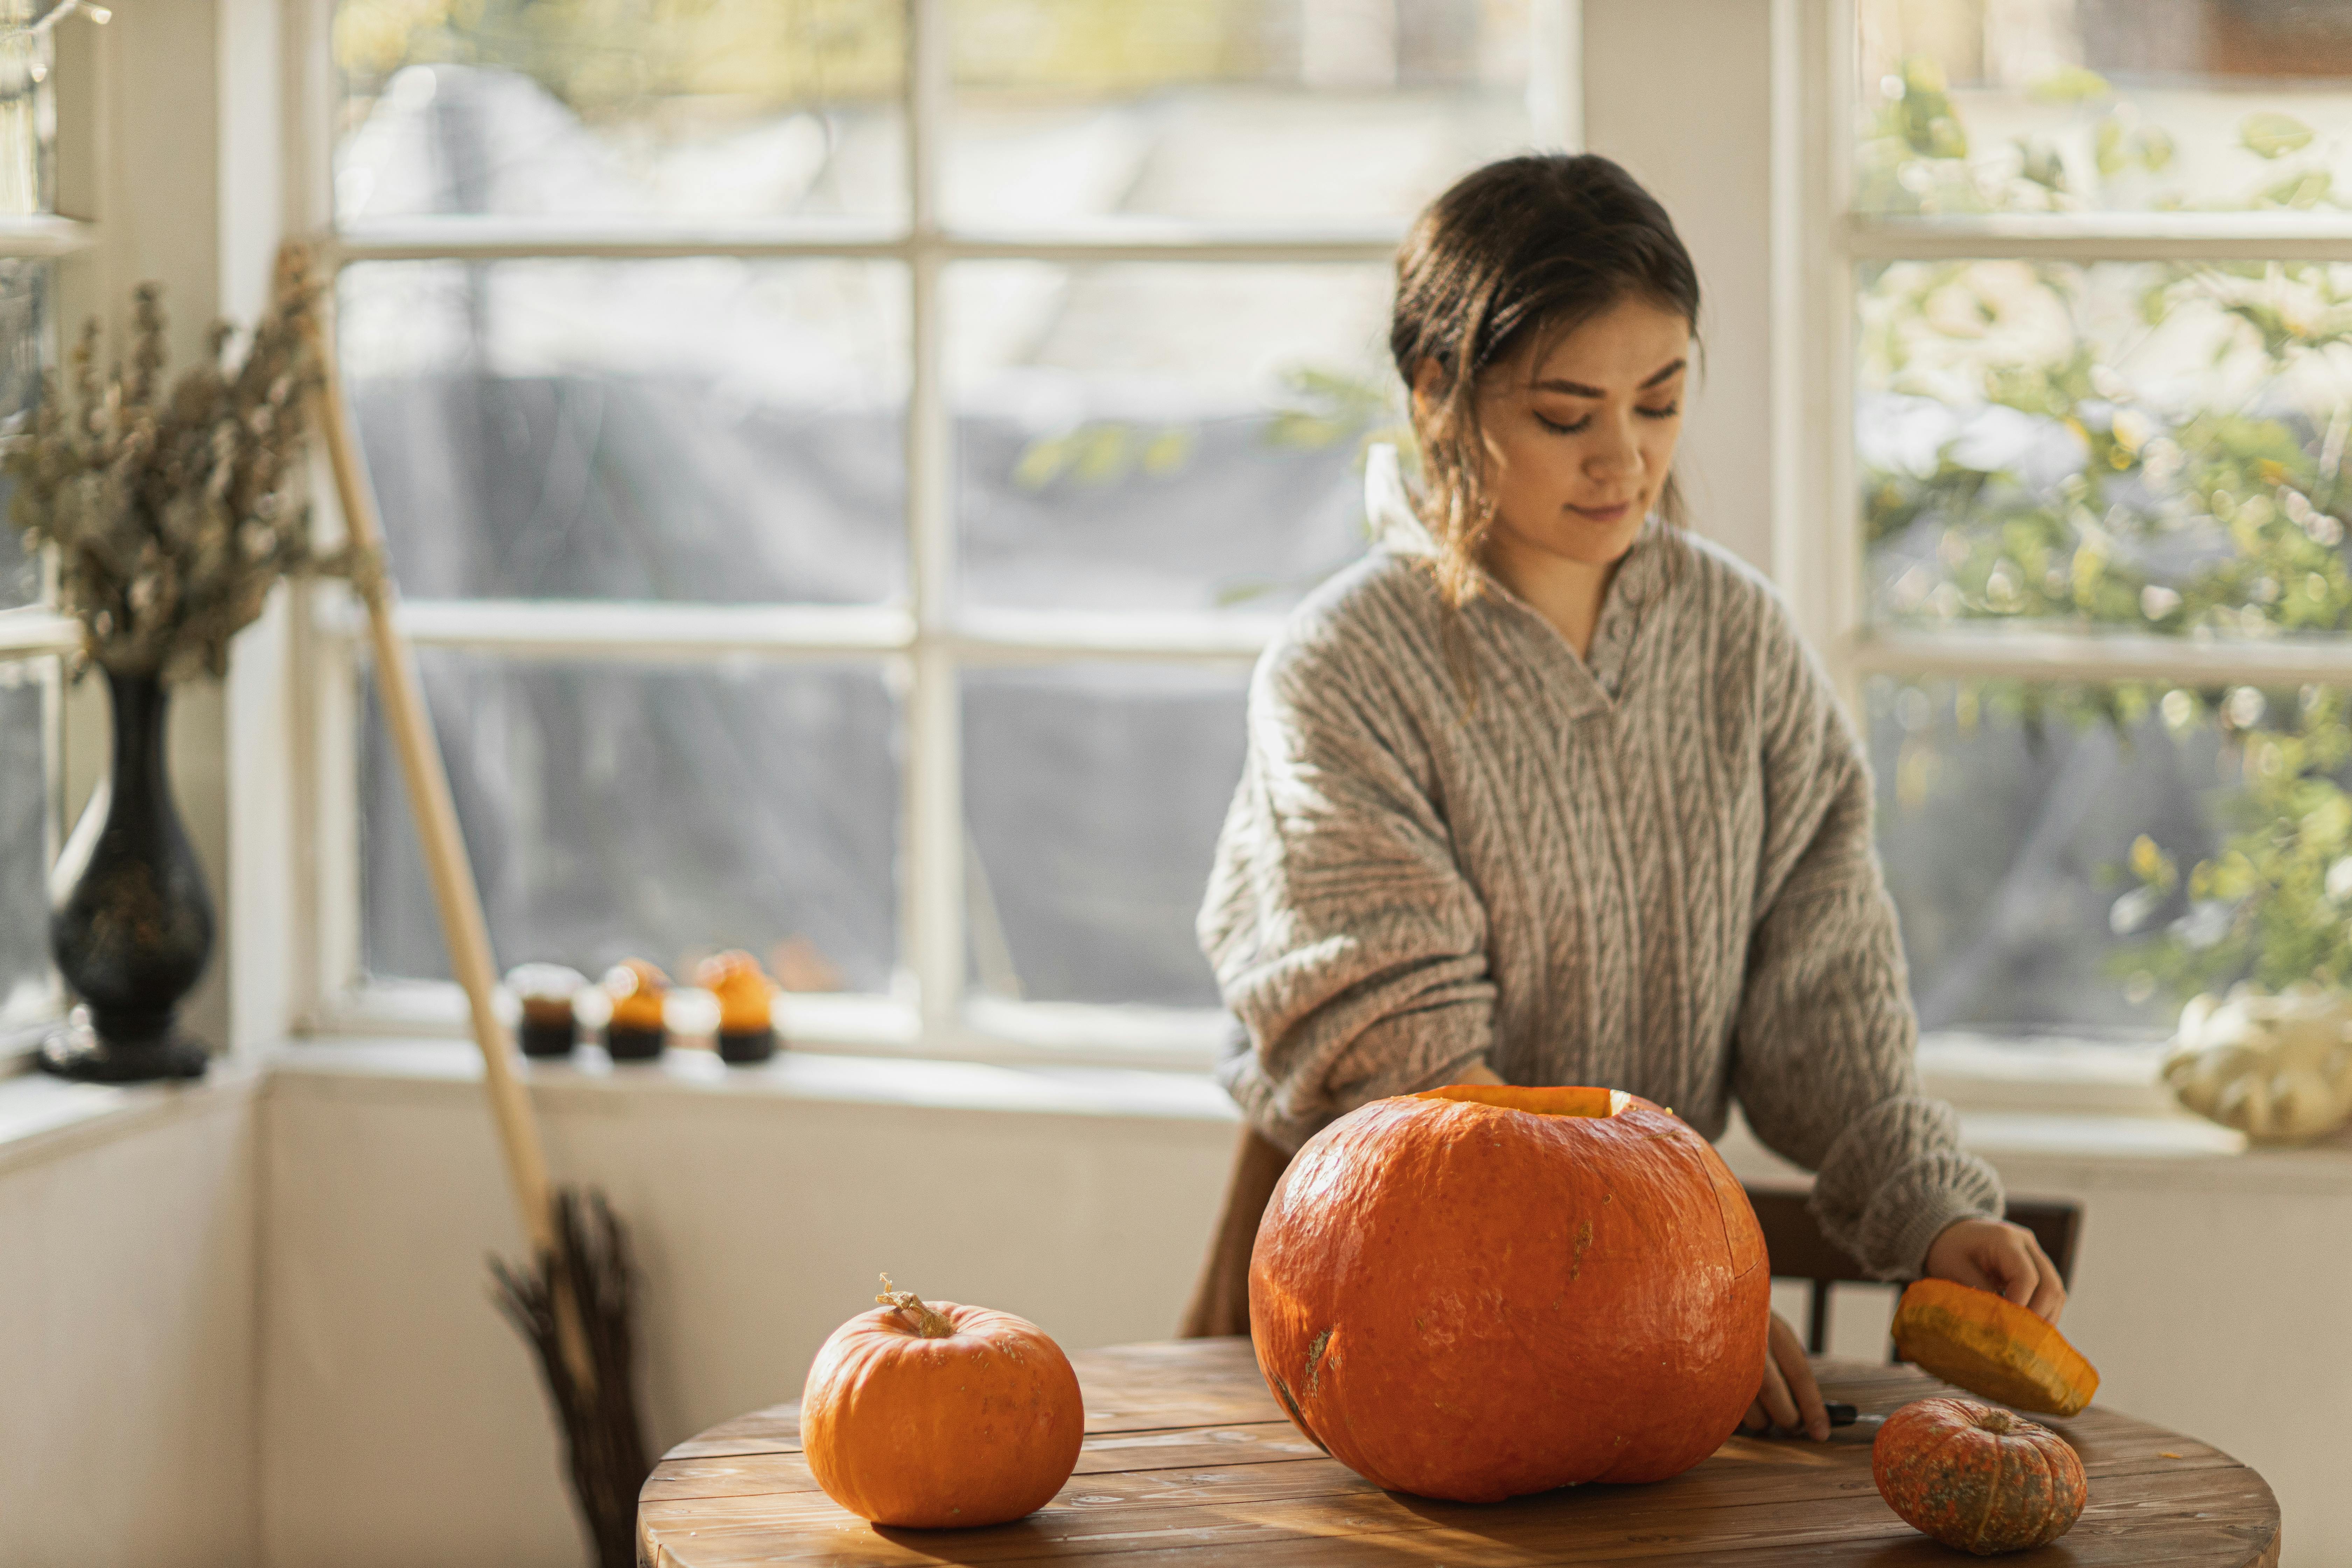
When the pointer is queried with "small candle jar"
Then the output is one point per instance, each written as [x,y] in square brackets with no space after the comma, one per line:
[635,1032]
[548,1027]
[747,1030]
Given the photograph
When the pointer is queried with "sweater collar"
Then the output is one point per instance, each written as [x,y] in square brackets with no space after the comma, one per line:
[1642,575]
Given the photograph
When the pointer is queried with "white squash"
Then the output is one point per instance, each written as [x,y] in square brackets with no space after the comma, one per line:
[2276,1068]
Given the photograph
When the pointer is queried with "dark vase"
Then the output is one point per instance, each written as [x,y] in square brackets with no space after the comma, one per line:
[134,924]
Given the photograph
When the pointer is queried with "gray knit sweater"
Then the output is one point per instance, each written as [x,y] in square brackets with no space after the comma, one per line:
[1650,869]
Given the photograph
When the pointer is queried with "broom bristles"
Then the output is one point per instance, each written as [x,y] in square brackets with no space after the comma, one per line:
[602,1437]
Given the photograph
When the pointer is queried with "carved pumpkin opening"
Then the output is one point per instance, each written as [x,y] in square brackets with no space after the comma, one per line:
[1600,1103]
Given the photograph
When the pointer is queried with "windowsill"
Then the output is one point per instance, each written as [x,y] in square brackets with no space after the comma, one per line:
[2047,1074]
[42,1117]
[1973,1071]
[792,1076]
[995,1032]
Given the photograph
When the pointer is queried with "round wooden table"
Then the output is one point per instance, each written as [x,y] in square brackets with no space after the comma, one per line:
[1188,1461]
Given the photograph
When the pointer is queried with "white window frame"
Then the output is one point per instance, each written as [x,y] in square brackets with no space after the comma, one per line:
[72,239]
[1835,613]
[922,644]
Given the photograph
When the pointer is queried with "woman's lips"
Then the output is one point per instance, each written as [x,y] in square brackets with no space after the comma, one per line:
[1603,513]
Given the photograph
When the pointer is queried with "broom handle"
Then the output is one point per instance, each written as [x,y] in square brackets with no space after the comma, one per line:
[453,891]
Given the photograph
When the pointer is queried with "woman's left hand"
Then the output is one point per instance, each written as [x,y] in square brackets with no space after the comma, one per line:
[1790,1401]
[2005,1258]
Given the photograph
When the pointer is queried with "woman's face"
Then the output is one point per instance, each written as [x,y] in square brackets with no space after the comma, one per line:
[1580,430]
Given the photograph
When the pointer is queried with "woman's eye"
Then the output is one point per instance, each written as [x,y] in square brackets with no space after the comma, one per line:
[1557,429]
[1668,412]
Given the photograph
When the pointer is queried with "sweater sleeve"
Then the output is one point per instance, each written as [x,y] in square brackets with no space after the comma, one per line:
[1826,1067]
[1343,933]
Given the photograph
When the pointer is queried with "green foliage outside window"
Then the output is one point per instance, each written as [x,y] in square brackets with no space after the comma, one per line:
[2206,513]
[606,59]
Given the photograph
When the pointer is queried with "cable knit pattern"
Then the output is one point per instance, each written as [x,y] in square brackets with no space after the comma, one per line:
[1455,839]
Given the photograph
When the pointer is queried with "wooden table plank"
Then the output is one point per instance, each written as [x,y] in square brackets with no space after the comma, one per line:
[1129,1389]
[1188,1464]
[1107,1453]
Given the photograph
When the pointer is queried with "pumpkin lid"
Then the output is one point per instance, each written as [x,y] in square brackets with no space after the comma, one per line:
[1561,1102]
[1991,1346]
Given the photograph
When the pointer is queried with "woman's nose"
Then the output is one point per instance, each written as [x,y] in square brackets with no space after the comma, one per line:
[1614,453]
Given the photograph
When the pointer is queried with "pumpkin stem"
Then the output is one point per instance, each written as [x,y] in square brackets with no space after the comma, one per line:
[929,1324]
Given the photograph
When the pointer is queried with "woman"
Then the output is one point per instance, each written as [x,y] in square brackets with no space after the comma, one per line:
[1548,791]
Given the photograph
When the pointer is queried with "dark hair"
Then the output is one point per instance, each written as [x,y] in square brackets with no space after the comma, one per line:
[1529,246]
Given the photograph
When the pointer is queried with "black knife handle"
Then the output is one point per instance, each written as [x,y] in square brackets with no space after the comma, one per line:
[1841,1412]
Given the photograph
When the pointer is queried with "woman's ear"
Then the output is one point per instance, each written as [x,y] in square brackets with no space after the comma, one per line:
[1428,386]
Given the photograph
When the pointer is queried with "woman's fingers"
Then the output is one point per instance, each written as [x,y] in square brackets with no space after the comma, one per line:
[1997,1256]
[2011,1266]
[1774,1398]
[1789,1400]
[2049,1297]
[2024,1273]
[1806,1410]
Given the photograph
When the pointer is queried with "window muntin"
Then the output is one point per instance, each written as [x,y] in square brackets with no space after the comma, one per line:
[614,810]
[701,429]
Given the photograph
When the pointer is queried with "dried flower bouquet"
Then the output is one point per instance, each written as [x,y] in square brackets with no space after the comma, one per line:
[173,516]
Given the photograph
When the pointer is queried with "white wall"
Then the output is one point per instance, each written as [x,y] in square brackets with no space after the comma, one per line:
[127,1386]
[405,1421]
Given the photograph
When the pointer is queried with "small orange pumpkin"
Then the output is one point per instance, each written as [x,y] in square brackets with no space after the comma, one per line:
[1975,1478]
[939,1415]
[1989,1346]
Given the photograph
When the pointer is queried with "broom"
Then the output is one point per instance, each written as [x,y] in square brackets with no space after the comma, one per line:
[573,1302]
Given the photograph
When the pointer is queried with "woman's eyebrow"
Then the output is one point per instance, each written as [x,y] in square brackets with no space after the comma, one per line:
[1578,388]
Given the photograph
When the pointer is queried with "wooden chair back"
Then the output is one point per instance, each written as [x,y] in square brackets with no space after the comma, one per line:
[1799,1251]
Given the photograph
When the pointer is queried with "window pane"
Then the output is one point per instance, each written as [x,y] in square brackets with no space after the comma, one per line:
[1231,111]
[1163,437]
[2086,858]
[1094,797]
[615,811]
[704,429]
[2157,448]
[27,980]
[24,351]
[2103,104]
[620,109]
[29,111]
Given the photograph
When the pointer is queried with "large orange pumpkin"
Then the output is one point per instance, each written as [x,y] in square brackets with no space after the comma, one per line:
[1975,1478]
[1991,1346]
[938,1415]
[1479,1291]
